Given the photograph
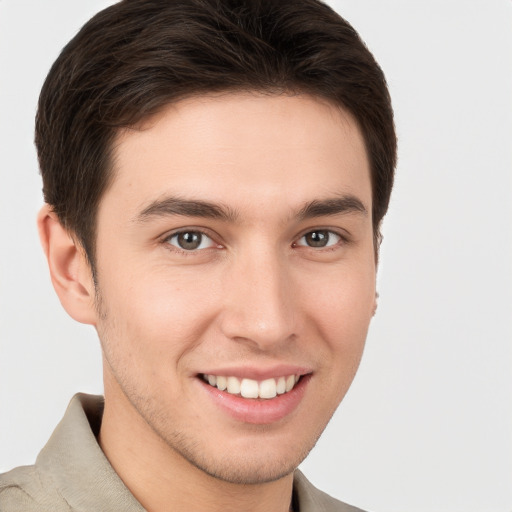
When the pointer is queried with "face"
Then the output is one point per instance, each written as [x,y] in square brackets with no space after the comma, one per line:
[236,278]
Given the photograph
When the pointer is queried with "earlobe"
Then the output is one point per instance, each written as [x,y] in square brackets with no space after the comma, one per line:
[69,268]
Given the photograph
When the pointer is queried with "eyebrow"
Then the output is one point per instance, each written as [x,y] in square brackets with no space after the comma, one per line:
[334,206]
[171,206]
[186,208]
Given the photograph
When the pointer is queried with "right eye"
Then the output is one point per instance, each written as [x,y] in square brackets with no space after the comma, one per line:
[190,240]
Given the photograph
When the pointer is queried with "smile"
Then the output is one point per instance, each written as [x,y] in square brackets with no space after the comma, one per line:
[249,388]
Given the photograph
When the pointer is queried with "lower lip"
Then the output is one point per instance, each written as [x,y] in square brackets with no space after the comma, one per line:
[258,411]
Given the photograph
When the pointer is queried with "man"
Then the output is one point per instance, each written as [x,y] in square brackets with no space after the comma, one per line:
[215,174]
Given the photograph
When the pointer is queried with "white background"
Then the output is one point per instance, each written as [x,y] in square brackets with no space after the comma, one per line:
[427,425]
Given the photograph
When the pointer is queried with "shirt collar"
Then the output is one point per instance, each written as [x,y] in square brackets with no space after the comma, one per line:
[78,468]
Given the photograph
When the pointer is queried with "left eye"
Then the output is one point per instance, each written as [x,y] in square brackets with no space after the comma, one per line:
[190,240]
[319,238]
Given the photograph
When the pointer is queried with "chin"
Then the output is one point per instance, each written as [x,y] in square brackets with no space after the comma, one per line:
[246,469]
[250,465]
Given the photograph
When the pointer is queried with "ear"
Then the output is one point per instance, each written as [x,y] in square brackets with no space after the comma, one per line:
[69,268]
[375,303]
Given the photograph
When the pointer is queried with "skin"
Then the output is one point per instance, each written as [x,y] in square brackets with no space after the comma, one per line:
[254,296]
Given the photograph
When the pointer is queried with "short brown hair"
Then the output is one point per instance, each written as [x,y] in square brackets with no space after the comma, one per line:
[137,56]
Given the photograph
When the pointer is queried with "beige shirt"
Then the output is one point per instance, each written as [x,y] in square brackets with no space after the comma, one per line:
[72,474]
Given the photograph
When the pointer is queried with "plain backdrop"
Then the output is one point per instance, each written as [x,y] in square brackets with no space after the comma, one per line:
[427,425]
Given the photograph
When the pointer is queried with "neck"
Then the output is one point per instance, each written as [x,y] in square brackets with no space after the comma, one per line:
[161,479]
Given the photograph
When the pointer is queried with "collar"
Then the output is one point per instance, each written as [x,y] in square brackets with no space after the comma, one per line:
[83,477]
[75,463]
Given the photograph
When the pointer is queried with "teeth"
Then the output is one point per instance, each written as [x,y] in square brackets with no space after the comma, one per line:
[281,385]
[233,385]
[290,382]
[268,388]
[222,383]
[249,388]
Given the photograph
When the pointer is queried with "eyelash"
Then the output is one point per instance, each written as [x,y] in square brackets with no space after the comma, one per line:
[176,234]
[342,240]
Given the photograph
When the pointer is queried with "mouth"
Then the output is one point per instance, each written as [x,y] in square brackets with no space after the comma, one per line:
[249,388]
[256,397]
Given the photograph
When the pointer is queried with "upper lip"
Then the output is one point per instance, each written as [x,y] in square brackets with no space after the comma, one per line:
[258,373]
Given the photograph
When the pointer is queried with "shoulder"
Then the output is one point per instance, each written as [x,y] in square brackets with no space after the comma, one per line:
[311,499]
[23,490]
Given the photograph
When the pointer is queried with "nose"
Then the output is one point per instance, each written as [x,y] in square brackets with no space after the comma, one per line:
[259,301]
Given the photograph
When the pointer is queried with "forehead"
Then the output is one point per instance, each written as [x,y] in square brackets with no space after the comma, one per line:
[242,149]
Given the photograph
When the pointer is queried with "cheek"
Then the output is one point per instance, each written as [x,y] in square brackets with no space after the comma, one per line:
[160,318]
[343,312]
